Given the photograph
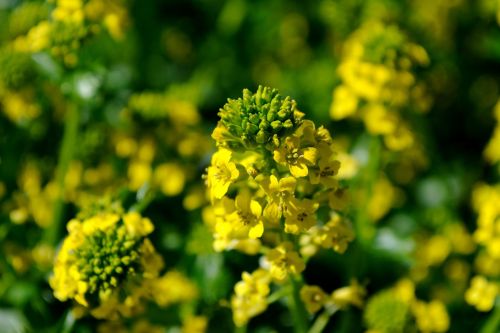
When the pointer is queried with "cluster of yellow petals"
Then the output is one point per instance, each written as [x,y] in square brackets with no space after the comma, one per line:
[114,280]
[71,21]
[482,293]
[485,199]
[250,296]
[428,317]
[376,87]
[265,192]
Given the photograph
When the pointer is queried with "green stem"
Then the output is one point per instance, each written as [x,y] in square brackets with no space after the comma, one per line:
[241,329]
[283,291]
[69,322]
[296,306]
[322,320]
[144,197]
[364,228]
[66,154]
[492,325]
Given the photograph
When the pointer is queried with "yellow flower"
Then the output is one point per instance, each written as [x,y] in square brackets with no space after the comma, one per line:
[221,173]
[300,215]
[327,167]
[138,173]
[344,104]
[378,120]
[240,218]
[481,293]
[173,287]
[170,177]
[279,193]
[194,324]
[137,225]
[350,295]
[297,159]
[431,317]
[405,290]
[382,198]
[284,261]
[313,297]
[336,234]
[250,296]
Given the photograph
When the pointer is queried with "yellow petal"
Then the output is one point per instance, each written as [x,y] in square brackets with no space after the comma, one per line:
[255,208]
[310,154]
[298,170]
[288,184]
[256,231]
[272,212]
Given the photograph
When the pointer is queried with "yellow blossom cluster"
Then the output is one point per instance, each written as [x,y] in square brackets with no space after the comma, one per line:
[272,173]
[110,268]
[272,170]
[69,24]
[485,199]
[250,296]
[17,93]
[398,310]
[174,133]
[484,288]
[377,82]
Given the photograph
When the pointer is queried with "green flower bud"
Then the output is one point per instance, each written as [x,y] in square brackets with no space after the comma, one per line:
[103,256]
[256,118]
[16,69]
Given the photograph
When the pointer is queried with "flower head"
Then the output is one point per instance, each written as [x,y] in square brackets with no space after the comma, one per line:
[105,262]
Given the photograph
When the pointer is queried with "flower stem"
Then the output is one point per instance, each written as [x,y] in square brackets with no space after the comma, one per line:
[144,197]
[277,295]
[364,229]
[297,307]
[69,322]
[66,153]
[493,323]
[322,320]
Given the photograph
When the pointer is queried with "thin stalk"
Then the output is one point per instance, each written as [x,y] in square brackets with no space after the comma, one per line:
[66,153]
[296,306]
[364,228]
[492,325]
[144,198]
[283,291]
[69,322]
[322,320]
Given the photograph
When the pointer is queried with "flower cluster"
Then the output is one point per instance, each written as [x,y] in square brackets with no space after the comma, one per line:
[398,310]
[272,173]
[70,24]
[377,82]
[110,268]
[484,287]
[106,264]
